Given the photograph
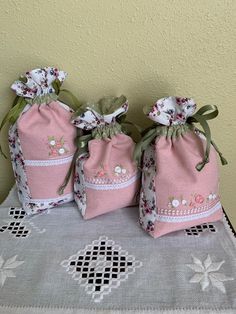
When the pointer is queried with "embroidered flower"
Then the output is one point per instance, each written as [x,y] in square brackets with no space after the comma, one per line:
[102,172]
[52,142]
[207,272]
[119,170]
[6,268]
[199,199]
[61,151]
[57,147]
[211,197]
[175,203]
[184,202]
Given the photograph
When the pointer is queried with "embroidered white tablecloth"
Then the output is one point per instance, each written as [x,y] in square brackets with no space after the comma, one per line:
[58,263]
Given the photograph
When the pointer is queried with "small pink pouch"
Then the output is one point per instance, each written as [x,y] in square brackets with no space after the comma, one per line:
[178,190]
[106,177]
[41,141]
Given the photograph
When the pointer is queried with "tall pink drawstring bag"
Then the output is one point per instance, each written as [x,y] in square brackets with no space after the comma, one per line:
[180,179]
[106,176]
[41,140]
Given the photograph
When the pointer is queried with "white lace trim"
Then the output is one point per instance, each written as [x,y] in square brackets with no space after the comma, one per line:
[189,217]
[62,310]
[68,197]
[229,230]
[48,162]
[107,181]
[194,210]
[113,186]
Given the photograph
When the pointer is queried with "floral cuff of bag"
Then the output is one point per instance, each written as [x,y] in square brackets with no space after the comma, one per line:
[172,110]
[105,112]
[38,82]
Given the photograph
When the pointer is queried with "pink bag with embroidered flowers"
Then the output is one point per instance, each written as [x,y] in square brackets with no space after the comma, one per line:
[41,140]
[106,176]
[180,179]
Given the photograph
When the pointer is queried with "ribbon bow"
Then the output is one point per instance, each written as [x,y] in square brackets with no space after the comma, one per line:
[201,117]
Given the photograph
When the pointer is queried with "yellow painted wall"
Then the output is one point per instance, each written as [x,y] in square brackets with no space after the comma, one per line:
[145,49]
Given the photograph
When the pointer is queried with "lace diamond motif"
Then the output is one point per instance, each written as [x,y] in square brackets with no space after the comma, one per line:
[100,267]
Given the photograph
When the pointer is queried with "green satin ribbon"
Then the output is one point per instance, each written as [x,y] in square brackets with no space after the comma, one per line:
[105,106]
[12,115]
[106,131]
[128,126]
[74,104]
[108,105]
[201,117]
[81,142]
[205,113]
[20,103]
[44,99]
[222,159]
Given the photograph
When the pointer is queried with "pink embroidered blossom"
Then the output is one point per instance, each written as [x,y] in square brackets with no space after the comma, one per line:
[199,199]
[57,147]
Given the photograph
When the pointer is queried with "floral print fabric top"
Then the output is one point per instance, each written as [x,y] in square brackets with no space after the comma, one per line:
[172,110]
[38,82]
[91,119]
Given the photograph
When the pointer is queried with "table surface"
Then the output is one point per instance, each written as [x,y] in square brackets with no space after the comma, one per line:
[58,263]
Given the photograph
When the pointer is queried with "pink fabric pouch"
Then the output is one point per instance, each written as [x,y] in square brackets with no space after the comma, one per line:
[106,176]
[41,140]
[180,179]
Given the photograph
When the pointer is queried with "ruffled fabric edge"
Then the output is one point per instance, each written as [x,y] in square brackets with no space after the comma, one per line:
[172,110]
[38,82]
[91,118]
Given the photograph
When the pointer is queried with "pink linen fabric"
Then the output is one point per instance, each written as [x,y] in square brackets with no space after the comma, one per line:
[106,177]
[174,195]
[42,146]
[110,175]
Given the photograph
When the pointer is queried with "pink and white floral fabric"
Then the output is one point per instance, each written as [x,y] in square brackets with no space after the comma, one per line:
[41,143]
[106,178]
[172,110]
[91,119]
[38,82]
[174,195]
